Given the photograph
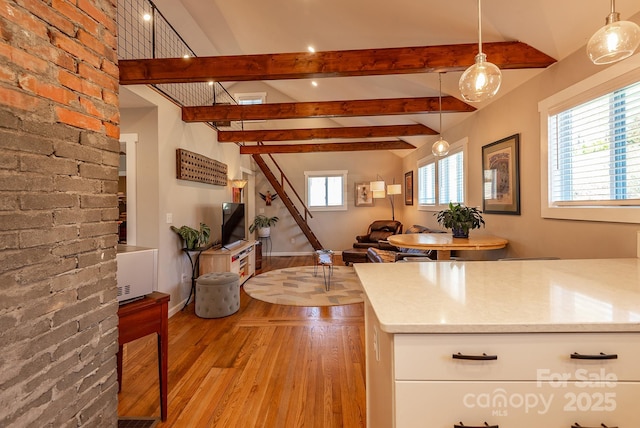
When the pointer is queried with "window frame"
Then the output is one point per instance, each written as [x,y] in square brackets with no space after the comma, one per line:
[612,78]
[457,147]
[258,97]
[326,173]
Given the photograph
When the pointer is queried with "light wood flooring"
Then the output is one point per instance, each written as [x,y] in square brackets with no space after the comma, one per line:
[265,366]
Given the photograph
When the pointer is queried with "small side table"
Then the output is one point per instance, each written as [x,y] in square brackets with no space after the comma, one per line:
[324,258]
[266,246]
[195,268]
[138,319]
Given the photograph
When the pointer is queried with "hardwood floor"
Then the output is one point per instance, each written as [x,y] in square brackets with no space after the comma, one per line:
[265,366]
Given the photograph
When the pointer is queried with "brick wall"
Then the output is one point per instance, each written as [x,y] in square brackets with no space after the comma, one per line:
[58,211]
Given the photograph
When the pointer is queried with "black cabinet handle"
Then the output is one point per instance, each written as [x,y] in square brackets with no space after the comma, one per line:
[577,425]
[486,425]
[483,357]
[600,356]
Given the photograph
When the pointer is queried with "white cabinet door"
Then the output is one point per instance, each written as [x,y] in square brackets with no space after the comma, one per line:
[516,405]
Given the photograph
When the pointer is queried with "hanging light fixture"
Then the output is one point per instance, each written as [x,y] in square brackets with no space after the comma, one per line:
[615,41]
[440,147]
[482,80]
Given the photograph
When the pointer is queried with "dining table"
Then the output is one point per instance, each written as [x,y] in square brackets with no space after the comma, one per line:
[444,243]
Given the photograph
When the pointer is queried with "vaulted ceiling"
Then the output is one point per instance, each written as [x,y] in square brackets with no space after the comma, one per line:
[395,49]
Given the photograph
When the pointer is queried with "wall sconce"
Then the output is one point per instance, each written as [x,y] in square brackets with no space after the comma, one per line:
[237,185]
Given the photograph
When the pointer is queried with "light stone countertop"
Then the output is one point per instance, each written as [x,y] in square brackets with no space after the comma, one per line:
[595,295]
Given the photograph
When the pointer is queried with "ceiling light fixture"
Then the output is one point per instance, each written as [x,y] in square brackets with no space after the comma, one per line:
[311,49]
[482,80]
[440,147]
[146,17]
[615,41]
[314,83]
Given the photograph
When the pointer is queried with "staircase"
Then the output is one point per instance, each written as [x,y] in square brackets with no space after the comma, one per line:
[280,190]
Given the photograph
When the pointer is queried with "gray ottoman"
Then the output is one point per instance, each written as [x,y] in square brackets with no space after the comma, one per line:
[217,294]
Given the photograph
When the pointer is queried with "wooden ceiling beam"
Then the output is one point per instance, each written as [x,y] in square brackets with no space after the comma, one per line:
[324,147]
[306,65]
[377,107]
[321,133]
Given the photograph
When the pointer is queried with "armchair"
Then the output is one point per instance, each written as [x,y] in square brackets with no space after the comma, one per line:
[378,231]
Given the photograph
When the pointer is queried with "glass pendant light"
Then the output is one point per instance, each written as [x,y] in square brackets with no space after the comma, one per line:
[615,41]
[482,80]
[440,147]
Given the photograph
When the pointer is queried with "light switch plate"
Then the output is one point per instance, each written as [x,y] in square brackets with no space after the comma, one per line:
[169,218]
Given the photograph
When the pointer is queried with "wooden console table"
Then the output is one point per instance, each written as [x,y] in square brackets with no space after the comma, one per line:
[238,259]
[138,319]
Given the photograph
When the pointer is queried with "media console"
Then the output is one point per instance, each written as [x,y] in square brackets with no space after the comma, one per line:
[238,259]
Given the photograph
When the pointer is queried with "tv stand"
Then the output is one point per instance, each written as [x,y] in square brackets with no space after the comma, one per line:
[238,259]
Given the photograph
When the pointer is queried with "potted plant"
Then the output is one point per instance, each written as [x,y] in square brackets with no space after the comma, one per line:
[263,224]
[193,238]
[460,219]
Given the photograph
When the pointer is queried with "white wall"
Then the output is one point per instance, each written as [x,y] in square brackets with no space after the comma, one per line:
[529,234]
[335,230]
[161,131]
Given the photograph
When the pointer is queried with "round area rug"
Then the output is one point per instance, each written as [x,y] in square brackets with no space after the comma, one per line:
[299,287]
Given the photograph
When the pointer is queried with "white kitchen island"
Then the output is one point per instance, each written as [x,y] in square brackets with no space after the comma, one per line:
[511,344]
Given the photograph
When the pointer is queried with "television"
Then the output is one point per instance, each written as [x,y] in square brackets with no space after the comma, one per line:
[233,224]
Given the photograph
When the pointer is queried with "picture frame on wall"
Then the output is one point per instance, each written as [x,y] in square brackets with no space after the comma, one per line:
[408,188]
[364,197]
[501,176]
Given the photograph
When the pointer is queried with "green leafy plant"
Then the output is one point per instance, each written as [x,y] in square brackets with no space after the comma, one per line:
[460,219]
[262,221]
[193,238]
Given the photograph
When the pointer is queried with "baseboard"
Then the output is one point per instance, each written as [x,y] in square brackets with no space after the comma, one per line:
[176,308]
[302,253]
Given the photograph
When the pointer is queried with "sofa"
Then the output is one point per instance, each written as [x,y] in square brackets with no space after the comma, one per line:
[388,253]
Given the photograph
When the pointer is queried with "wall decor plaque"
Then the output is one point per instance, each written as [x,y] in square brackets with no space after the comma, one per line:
[196,167]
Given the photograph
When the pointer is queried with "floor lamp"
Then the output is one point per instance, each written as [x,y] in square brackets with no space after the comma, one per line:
[392,191]
[378,192]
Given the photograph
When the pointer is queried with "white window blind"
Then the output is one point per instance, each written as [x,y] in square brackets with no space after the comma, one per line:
[594,151]
[451,178]
[442,180]
[427,184]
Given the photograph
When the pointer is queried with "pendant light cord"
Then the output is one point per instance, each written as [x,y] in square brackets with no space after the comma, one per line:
[480,26]
[440,102]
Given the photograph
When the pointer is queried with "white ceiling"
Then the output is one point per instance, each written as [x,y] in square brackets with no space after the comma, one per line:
[240,27]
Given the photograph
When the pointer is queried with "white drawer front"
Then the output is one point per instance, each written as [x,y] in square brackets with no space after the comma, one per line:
[520,357]
[515,405]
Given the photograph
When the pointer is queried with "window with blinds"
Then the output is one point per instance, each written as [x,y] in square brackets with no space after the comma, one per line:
[590,147]
[325,190]
[594,150]
[442,179]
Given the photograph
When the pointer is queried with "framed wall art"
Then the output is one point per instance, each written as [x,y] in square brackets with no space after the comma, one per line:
[408,188]
[501,176]
[364,197]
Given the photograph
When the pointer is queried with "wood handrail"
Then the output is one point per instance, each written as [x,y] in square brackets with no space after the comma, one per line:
[283,179]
